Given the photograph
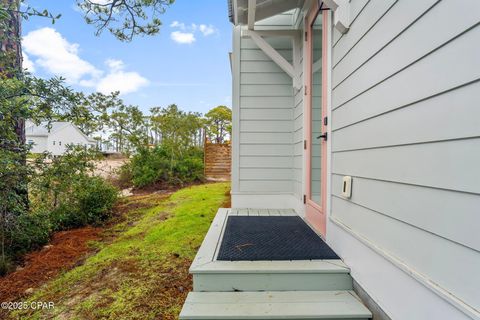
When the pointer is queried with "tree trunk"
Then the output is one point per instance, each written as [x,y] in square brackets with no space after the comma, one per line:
[11,65]
[10,47]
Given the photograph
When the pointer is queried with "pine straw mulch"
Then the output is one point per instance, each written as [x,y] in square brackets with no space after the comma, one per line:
[66,250]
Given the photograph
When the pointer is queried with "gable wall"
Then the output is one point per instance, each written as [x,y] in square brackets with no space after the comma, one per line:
[66,135]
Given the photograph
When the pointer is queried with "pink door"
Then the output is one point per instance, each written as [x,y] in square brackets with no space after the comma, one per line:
[316,121]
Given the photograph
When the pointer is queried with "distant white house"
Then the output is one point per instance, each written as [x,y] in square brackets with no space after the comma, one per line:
[56,137]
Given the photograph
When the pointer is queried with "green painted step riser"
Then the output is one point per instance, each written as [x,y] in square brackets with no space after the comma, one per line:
[181,318]
[271,282]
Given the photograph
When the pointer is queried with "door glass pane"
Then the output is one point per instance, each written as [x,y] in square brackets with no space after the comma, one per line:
[316,125]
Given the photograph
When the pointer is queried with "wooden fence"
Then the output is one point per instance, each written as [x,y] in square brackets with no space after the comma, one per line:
[218,160]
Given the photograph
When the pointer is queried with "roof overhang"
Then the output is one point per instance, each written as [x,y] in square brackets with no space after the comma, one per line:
[247,12]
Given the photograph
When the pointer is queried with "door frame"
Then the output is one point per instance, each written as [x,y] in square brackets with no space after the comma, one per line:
[316,214]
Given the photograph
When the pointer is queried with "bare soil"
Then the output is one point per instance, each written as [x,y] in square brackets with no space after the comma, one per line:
[108,168]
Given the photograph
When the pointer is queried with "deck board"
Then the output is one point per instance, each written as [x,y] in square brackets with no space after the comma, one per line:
[274,305]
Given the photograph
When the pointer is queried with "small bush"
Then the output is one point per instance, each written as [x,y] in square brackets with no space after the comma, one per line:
[158,165]
[30,232]
[91,204]
[96,199]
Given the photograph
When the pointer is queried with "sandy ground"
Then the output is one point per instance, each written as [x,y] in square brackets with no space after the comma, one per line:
[108,168]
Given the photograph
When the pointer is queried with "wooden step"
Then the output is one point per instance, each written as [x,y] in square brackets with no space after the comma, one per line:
[274,305]
[210,274]
[300,275]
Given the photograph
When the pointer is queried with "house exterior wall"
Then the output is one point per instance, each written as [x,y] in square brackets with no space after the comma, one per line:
[67,135]
[406,126]
[404,122]
[39,143]
[57,141]
[263,115]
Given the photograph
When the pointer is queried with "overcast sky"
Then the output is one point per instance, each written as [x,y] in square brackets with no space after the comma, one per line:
[187,63]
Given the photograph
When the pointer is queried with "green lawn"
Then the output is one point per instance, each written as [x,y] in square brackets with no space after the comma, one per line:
[143,273]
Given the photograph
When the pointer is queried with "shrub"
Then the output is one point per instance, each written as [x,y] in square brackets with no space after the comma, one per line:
[159,165]
[91,204]
[31,232]
[96,199]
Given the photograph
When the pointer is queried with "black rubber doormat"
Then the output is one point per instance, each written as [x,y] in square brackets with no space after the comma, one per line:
[248,238]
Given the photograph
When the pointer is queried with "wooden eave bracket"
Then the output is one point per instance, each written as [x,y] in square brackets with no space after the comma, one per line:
[292,70]
[341,14]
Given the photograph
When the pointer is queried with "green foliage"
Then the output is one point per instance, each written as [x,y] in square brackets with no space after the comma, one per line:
[21,98]
[31,232]
[63,194]
[219,124]
[150,247]
[58,177]
[90,113]
[92,204]
[66,187]
[129,128]
[178,159]
[96,200]
[178,128]
[159,165]
[125,18]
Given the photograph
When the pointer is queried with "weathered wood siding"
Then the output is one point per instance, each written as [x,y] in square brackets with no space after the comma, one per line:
[266,120]
[218,160]
[406,127]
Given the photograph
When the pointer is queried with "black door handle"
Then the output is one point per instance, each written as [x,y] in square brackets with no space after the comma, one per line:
[323,136]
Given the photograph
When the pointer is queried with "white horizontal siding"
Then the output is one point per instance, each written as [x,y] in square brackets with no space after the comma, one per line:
[266,103]
[355,8]
[271,138]
[266,150]
[265,114]
[444,262]
[267,90]
[284,162]
[250,78]
[266,119]
[447,68]
[279,43]
[448,214]
[260,67]
[259,55]
[266,186]
[372,12]
[457,116]
[266,126]
[406,127]
[409,47]
[452,165]
[387,29]
[264,174]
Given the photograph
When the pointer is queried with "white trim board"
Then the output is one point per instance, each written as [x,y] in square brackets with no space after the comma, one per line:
[267,201]
[235,173]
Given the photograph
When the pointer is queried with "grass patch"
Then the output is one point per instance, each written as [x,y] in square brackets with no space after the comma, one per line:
[143,272]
